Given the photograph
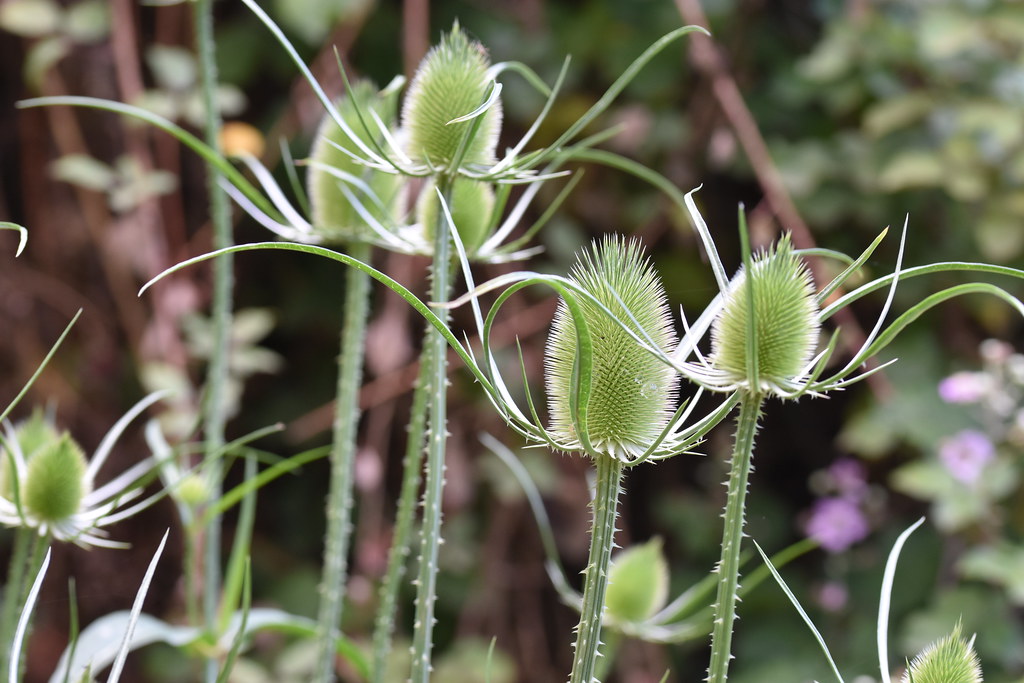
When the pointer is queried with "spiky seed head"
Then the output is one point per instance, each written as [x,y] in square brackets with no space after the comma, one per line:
[32,435]
[450,82]
[786,319]
[632,392]
[333,216]
[55,481]
[193,490]
[472,203]
[949,660]
[637,583]
[35,432]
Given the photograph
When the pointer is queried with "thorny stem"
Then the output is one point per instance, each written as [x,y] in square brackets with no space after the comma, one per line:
[29,550]
[214,416]
[13,592]
[602,540]
[404,515]
[732,536]
[430,534]
[343,451]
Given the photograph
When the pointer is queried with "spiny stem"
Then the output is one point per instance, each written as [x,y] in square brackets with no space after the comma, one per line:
[343,451]
[32,561]
[13,591]
[430,534]
[732,536]
[384,625]
[214,416]
[602,540]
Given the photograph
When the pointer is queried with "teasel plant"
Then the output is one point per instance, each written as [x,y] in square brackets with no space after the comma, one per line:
[765,326]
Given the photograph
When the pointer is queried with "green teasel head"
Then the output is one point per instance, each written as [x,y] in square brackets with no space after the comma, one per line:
[471,205]
[451,82]
[949,660]
[637,583]
[632,392]
[785,326]
[55,481]
[31,435]
[334,218]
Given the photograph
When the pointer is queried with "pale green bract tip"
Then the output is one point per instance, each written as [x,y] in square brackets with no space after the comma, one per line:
[786,321]
[632,391]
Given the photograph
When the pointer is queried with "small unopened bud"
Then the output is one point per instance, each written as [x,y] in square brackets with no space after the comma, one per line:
[333,215]
[637,583]
[192,490]
[55,482]
[471,205]
[450,82]
[785,320]
[949,660]
[632,391]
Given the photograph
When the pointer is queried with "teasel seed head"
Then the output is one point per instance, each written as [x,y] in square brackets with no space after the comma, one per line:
[55,483]
[632,392]
[450,82]
[333,216]
[471,205]
[786,320]
[31,435]
[949,660]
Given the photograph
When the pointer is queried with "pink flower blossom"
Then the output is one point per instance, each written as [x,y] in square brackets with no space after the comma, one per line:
[836,524]
[964,387]
[833,596]
[965,454]
[849,478]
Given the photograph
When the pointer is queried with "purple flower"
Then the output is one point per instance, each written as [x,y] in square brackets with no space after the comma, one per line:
[849,478]
[964,387]
[966,454]
[833,596]
[836,524]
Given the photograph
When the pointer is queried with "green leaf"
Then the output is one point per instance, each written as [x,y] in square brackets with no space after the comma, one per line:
[83,171]
[174,68]
[896,113]
[1001,564]
[41,58]
[912,168]
[30,18]
[87,21]
[999,236]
